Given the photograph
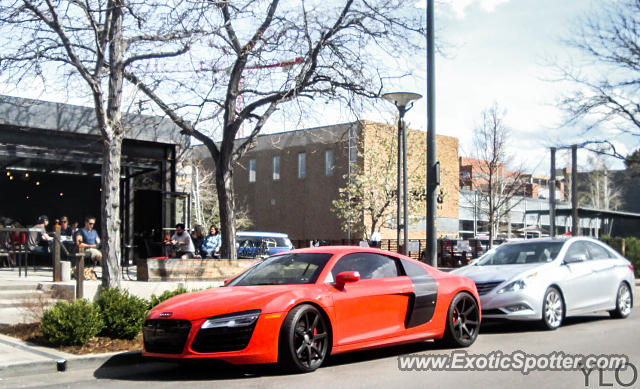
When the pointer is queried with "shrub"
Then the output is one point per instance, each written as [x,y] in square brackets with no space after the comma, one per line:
[632,249]
[73,323]
[122,313]
[155,300]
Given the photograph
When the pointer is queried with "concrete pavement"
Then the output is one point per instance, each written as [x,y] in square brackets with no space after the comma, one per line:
[22,358]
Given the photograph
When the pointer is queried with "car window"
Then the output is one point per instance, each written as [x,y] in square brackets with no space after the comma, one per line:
[369,265]
[286,269]
[576,249]
[597,251]
[521,253]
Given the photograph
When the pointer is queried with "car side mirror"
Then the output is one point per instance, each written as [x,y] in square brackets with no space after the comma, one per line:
[346,277]
[227,281]
[575,259]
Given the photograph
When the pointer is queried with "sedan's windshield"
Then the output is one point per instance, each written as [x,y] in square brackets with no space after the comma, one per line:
[300,268]
[521,253]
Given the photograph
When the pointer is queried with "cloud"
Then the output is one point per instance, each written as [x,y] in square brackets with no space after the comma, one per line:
[459,6]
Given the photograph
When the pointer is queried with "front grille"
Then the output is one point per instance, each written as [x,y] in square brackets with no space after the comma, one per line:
[165,336]
[486,287]
[213,340]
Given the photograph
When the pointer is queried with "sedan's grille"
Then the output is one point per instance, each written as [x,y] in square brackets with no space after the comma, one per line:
[165,336]
[486,287]
[214,340]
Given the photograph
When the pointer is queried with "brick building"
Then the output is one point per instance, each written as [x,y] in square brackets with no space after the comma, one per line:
[288,181]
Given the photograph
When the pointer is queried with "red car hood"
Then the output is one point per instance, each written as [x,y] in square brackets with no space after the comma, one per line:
[222,300]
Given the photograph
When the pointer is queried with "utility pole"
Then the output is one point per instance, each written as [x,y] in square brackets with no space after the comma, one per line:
[575,223]
[432,173]
[552,195]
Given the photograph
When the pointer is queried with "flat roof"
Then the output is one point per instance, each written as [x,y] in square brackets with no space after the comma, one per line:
[588,212]
[22,113]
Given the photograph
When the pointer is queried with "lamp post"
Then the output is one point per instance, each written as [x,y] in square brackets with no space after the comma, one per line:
[401,100]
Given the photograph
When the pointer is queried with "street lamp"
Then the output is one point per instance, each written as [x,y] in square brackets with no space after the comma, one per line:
[401,100]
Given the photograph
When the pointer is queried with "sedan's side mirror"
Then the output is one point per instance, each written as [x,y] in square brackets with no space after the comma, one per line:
[575,259]
[346,277]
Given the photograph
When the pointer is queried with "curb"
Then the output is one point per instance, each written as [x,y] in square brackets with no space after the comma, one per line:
[58,361]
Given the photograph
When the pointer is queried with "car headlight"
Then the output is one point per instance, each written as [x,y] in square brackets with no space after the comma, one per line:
[239,319]
[513,286]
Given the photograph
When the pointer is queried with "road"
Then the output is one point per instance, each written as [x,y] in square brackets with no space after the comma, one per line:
[593,334]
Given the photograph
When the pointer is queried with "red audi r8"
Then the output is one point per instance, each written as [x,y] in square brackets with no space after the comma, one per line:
[298,307]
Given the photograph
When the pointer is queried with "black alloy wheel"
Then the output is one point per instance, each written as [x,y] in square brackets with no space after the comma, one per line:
[304,339]
[463,321]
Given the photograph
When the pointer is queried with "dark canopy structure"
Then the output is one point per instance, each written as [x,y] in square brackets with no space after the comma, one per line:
[51,157]
[607,217]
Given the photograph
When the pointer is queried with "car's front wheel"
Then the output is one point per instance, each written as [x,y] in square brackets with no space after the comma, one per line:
[304,339]
[623,302]
[552,309]
[463,321]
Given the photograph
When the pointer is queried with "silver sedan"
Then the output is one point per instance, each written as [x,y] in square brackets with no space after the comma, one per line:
[549,279]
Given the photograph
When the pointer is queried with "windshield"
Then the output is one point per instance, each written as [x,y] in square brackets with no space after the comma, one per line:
[284,269]
[258,241]
[521,253]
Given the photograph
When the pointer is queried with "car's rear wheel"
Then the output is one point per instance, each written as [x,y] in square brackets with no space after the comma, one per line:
[304,339]
[552,309]
[623,302]
[463,321]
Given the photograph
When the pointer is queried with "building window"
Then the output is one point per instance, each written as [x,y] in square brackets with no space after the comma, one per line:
[302,165]
[252,170]
[276,167]
[328,163]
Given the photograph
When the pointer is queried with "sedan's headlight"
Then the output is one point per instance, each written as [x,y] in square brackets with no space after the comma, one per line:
[239,319]
[513,286]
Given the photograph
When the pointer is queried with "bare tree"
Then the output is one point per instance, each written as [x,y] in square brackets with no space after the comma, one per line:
[268,55]
[608,79]
[498,189]
[369,196]
[599,189]
[93,42]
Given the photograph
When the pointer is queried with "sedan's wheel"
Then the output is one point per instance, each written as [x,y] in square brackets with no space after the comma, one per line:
[463,321]
[552,309]
[304,339]
[623,302]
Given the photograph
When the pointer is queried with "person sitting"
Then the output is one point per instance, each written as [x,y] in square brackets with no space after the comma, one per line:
[181,242]
[38,239]
[66,234]
[65,228]
[88,239]
[211,245]
[198,239]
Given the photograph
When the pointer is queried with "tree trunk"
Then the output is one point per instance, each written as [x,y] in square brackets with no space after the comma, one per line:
[224,186]
[110,225]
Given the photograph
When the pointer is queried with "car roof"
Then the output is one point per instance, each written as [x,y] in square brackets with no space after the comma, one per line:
[341,249]
[559,239]
[265,234]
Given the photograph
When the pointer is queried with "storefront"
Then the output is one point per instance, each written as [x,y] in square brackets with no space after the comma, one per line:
[51,158]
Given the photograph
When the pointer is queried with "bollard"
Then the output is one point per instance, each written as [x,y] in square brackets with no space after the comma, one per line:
[65,271]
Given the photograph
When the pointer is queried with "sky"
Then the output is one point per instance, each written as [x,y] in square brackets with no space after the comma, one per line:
[500,51]
[495,51]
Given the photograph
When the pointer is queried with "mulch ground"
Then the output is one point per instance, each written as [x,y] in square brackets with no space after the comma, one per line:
[98,344]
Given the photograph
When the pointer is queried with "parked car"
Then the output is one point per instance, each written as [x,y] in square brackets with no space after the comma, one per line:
[251,244]
[298,307]
[548,279]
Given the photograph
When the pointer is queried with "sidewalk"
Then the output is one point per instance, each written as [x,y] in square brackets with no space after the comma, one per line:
[21,358]
[42,279]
